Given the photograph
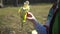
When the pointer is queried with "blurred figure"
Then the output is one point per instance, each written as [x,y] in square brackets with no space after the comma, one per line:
[43,29]
[23,11]
[51,12]
[39,27]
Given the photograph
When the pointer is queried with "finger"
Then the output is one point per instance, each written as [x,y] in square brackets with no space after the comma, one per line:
[29,13]
[29,18]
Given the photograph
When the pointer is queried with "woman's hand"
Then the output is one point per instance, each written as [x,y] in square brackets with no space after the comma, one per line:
[30,16]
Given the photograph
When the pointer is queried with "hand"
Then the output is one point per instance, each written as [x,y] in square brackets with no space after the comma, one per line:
[30,16]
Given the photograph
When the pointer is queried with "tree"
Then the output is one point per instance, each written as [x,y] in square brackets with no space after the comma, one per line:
[1,3]
[15,2]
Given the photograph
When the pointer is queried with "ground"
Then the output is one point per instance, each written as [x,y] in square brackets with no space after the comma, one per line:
[10,20]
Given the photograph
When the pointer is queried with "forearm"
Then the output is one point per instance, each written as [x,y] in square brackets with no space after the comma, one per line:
[39,27]
[35,22]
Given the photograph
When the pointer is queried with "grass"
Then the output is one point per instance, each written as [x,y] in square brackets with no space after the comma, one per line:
[10,18]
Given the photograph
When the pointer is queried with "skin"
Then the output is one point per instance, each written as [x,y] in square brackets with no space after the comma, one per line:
[32,18]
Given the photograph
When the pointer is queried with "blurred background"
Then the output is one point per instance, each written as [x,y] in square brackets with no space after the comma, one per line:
[19,2]
[10,19]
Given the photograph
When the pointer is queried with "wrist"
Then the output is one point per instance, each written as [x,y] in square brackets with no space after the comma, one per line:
[34,21]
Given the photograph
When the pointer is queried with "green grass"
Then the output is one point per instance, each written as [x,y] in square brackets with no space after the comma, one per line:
[10,18]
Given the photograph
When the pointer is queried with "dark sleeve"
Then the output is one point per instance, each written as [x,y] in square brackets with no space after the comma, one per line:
[40,28]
